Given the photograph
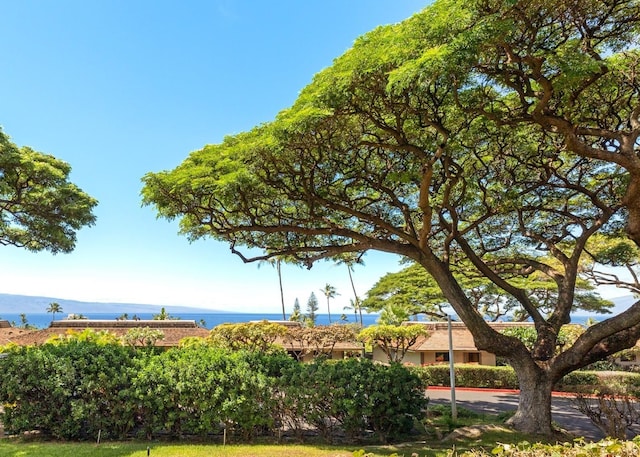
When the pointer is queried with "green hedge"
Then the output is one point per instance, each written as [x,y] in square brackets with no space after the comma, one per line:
[77,390]
[609,382]
[469,376]
[504,377]
[69,391]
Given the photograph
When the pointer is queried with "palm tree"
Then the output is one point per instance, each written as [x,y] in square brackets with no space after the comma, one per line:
[330,292]
[356,302]
[277,263]
[279,270]
[354,307]
[53,309]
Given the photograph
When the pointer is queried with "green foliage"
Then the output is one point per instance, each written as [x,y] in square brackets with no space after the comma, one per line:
[579,448]
[354,395]
[485,137]
[163,315]
[412,287]
[329,292]
[312,308]
[528,335]
[41,209]
[468,376]
[54,308]
[85,336]
[80,387]
[394,340]
[146,337]
[296,315]
[318,341]
[71,390]
[579,380]
[587,382]
[252,336]
[201,390]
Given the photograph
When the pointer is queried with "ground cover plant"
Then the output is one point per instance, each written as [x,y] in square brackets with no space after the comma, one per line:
[500,443]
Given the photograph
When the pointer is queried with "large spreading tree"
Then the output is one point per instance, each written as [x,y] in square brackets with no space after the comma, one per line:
[498,135]
[40,209]
[412,291]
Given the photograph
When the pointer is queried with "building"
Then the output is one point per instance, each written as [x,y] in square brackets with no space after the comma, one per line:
[434,348]
[8,333]
[173,330]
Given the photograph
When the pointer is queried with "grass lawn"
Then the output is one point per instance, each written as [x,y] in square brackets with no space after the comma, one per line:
[428,445]
[435,448]
[10,448]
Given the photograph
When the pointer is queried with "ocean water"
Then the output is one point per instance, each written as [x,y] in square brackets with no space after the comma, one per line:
[208,320]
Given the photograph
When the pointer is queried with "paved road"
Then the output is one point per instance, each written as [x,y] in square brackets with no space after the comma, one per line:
[490,401]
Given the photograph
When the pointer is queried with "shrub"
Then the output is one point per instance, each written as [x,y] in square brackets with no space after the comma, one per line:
[468,376]
[79,387]
[606,382]
[396,397]
[69,390]
[200,390]
[354,395]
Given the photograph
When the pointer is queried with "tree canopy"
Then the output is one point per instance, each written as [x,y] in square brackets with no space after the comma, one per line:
[502,136]
[393,340]
[39,208]
[413,291]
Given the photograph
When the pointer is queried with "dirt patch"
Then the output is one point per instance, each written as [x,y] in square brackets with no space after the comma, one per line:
[473,432]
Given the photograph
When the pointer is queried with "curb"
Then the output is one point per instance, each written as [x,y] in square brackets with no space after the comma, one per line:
[498,391]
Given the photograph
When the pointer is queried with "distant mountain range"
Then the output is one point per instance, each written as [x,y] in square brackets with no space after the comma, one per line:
[16,304]
[622,303]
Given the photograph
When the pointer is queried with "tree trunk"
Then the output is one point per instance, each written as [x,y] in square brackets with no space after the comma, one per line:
[356,303]
[279,268]
[632,202]
[534,407]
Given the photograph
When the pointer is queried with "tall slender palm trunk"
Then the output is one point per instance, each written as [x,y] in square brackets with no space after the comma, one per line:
[279,269]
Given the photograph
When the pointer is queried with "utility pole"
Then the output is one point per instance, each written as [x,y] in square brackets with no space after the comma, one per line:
[452,374]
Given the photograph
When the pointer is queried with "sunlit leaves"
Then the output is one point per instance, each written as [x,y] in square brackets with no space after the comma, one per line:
[394,340]
[39,208]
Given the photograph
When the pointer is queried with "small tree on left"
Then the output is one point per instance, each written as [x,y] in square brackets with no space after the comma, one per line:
[39,208]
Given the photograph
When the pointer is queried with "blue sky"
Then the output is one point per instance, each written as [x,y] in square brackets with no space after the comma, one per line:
[119,88]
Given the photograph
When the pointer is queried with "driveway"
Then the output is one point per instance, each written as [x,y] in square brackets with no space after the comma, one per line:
[495,401]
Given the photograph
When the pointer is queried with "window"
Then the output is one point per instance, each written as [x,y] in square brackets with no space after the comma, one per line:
[473,357]
[442,356]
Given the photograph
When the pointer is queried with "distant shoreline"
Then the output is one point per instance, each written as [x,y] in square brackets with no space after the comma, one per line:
[42,320]
[9,303]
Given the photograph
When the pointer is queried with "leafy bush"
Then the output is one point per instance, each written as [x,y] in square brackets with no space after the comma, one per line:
[396,396]
[71,390]
[505,378]
[201,390]
[582,381]
[354,395]
[606,382]
[77,388]
[469,376]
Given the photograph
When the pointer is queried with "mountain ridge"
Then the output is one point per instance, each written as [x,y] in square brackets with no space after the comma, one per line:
[28,304]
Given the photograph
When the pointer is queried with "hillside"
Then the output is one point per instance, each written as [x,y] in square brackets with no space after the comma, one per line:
[16,304]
